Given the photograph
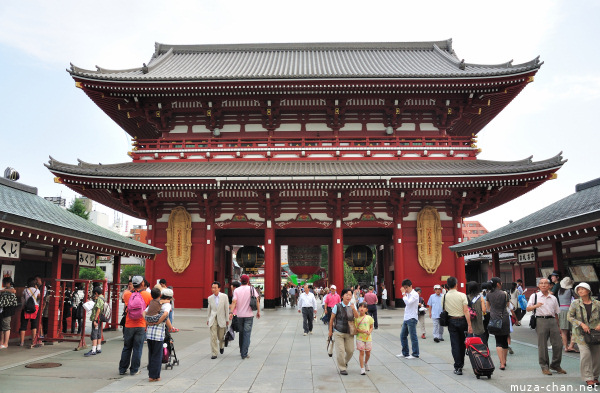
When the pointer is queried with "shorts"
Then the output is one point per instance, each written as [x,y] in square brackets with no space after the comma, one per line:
[5,324]
[24,322]
[96,333]
[364,345]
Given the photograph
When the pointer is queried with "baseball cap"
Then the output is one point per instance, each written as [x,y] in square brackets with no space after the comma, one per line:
[333,287]
[137,280]
[167,292]
[245,279]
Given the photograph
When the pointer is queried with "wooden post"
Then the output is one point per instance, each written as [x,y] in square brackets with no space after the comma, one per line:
[209,260]
[557,256]
[115,295]
[53,319]
[398,262]
[270,268]
[336,267]
[495,264]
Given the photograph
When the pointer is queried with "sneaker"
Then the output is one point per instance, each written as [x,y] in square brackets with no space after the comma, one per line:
[362,371]
[136,373]
[98,351]
[458,371]
[400,356]
[305,334]
[309,332]
[423,335]
[367,367]
[344,372]
[90,353]
[122,372]
[412,357]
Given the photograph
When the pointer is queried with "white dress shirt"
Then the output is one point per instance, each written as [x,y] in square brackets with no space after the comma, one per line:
[307,300]
[411,299]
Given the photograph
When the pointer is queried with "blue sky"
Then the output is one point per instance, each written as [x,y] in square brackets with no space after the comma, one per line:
[44,114]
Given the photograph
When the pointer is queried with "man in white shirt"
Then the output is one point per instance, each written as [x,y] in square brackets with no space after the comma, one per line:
[307,305]
[546,313]
[411,317]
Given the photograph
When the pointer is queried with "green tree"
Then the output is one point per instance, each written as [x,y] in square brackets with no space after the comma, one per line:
[77,207]
[349,279]
[130,271]
[88,273]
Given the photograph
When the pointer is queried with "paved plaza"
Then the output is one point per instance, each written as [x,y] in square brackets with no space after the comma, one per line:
[281,360]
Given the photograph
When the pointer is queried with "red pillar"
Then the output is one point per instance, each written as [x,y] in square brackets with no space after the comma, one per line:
[221,264]
[495,264]
[459,262]
[209,261]
[557,256]
[150,239]
[53,319]
[398,261]
[115,292]
[336,267]
[270,268]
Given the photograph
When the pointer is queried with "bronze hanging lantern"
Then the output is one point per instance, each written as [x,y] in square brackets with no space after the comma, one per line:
[250,258]
[358,257]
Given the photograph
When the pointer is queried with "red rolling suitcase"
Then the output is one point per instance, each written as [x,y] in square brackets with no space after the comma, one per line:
[479,355]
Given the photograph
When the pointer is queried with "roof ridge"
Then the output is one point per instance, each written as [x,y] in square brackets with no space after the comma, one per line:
[254,47]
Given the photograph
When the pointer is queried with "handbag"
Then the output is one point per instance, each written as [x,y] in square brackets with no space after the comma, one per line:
[472,312]
[253,305]
[533,319]
[444,316]
[593,337]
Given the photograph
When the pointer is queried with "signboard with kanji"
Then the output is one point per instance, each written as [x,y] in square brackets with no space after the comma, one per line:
[527,257]
[86,260]
[10,249]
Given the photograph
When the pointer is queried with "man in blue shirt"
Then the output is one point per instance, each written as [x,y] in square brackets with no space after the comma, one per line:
[435,308]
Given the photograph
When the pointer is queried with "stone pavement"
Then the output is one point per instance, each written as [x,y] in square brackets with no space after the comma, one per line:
[281,360]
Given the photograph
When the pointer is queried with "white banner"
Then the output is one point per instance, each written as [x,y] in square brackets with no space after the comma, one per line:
[10,249]
[86,260]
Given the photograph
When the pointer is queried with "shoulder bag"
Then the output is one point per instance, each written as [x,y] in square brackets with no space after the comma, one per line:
[593,337]
[533,320]
[495,325]
[253,305]
[444,317]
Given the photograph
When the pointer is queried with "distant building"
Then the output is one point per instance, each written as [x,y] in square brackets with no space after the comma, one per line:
[472,230]
[59,201]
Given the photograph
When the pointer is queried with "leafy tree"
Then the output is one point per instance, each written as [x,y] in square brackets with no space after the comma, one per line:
[130,271]
[88,273]
[77,207]
[349,279]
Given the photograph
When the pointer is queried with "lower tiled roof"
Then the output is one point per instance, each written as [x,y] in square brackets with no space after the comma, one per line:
[579,208]
[274,169]
[26,209]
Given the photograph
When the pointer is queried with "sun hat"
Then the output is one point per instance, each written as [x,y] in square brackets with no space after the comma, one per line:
[437,286]
[567,283]
[583,285]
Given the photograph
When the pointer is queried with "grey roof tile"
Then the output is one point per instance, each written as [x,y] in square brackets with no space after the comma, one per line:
[273,169]
[24,208]
[305,61]
[581,207]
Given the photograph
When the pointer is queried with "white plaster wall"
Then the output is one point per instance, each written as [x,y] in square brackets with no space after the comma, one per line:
[200,129]
[182,129]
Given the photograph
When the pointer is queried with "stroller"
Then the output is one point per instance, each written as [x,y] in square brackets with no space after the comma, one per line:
[169,358]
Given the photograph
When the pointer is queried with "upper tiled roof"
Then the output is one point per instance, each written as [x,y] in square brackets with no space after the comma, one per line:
[581,207]
[25,208]
[305,61]
[274,169]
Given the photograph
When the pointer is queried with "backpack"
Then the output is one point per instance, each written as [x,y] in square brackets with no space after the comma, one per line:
[106,314]
[136,306]
[29,304]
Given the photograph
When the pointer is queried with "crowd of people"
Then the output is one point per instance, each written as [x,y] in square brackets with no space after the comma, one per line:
[564,316]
